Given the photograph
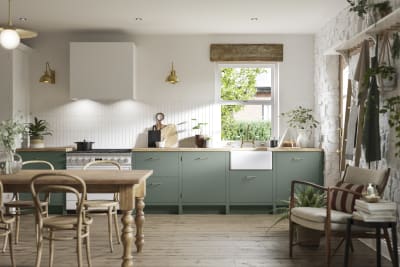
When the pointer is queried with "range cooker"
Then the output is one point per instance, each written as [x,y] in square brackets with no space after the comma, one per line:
[78,159]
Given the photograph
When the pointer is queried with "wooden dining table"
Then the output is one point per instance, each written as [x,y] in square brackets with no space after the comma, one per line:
[131,186]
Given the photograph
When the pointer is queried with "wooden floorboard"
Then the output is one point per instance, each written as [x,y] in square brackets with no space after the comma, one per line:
[194,240]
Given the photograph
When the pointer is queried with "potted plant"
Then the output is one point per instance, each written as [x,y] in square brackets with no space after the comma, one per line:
[360,7]
[380,10]
[392,107]
[304,196]
[37,130]
[386,75]
[199,138]
[303,120]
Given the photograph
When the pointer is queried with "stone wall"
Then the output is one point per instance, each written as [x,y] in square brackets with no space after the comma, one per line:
[342,27]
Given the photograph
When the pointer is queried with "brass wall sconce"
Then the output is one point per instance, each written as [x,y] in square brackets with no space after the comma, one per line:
[49,75]
[172,78]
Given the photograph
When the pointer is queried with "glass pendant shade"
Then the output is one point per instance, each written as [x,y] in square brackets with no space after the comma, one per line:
[9,39]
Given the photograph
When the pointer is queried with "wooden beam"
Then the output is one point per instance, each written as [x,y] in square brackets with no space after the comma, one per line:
[246,52]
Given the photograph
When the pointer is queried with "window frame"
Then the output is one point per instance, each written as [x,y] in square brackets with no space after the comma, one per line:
[273,102]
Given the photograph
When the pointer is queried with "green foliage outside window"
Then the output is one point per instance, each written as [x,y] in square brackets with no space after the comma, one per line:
[240,84]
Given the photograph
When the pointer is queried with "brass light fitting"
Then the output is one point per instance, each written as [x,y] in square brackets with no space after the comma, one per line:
[49,75]
[172,78]
[10,35]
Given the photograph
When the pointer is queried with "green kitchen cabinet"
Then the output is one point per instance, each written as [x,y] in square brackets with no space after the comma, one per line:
[58,159]
[295,165]
[251,187]
[162,188]
[204,178]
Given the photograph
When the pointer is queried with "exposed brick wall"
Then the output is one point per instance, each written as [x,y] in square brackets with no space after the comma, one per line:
[326,81]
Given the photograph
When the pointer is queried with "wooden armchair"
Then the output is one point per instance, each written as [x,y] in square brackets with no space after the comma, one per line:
[61,227]
[331,220]
[109,207]
[6,226]
[22,207]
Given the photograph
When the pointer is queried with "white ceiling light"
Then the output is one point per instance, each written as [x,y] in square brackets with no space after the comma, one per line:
[10,36]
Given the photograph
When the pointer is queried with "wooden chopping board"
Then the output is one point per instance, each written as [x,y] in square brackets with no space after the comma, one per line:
[169,135]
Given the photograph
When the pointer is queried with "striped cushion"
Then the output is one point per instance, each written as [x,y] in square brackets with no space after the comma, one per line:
[344,201]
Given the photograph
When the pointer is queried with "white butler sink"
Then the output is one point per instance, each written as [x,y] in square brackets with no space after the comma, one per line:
[251,160]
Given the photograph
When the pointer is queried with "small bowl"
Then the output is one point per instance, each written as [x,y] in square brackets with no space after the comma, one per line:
[160,144]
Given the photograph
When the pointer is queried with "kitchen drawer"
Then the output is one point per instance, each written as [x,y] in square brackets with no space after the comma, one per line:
[162,163]
[58,159]
[203,189]
[251,186]
[162,190]
[204,164]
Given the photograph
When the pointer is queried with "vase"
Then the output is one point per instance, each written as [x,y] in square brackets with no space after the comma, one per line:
[304,138]
[10,162]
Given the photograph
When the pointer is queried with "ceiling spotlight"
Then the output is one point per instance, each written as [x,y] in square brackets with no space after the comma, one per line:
[138,19]
[254,19]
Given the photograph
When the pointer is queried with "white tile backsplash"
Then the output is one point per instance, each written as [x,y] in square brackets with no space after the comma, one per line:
[123,124]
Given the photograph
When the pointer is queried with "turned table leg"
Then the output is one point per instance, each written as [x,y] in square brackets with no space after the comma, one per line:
[139,220]
[127,238]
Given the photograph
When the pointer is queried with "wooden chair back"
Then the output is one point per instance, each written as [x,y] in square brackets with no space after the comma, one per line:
[58,182]
[106,162]
[356,175]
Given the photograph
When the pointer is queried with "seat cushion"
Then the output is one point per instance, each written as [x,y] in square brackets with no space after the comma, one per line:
[344,201]
[318,215]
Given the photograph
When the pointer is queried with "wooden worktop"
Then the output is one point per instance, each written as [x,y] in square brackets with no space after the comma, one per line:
[46,149]
[227,149]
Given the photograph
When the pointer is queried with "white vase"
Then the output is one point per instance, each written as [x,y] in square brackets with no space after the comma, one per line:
[304,138]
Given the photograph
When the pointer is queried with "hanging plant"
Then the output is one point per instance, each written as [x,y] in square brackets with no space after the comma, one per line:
[360,7]
[396,46]
[392,107]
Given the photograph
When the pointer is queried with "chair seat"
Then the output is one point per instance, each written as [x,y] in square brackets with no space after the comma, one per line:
[100,203]
[23,204]
[8,219]
[64,222]
[315,218]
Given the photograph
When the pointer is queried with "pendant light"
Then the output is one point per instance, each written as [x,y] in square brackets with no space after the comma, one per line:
[49,75]
[172,78]
[10,36]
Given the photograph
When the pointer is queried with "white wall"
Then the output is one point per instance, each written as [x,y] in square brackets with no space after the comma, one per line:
[124,123]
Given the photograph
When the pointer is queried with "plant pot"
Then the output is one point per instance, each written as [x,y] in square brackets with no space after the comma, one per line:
[307,237]
[199,140]
[304,138]
[36,142]
[388,83]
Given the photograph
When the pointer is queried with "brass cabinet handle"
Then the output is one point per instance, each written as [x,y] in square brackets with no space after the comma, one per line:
[249,178]
[155,184]
[297,159]
[205,158]
[152,159]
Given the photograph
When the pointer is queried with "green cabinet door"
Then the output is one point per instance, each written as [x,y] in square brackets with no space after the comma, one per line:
[162,163]
[162,190]
[251,187]
[290,166]
[58,159]
[204,178]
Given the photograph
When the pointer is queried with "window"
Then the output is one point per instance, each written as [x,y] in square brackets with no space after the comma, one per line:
[247,93]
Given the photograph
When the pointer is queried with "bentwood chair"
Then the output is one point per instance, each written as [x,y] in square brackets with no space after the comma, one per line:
[76,224]
[6,226]
[331,220]
[109,207]
[22,207]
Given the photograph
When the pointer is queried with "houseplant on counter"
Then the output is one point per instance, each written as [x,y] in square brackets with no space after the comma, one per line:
[9,132]
[199,138]
[37,130]
[303,121]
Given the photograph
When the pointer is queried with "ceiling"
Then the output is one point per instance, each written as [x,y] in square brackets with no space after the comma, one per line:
[174,16]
